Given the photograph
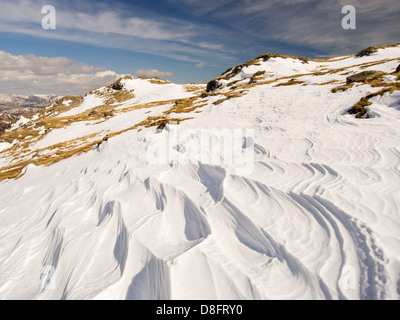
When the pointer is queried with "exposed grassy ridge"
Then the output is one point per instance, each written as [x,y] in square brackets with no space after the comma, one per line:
[62,105]
[233,71]
[27,135]
[342,88]
[291,82]
[371,50]
[266,57]
[230,95]
[359,109]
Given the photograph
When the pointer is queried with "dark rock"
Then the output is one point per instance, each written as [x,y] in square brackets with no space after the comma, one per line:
[364,76]
[117,85]
[94,113]
[267,56]
[108,114]
[212,86]
[161,126]
[366,52]
[234,72]
[259,73]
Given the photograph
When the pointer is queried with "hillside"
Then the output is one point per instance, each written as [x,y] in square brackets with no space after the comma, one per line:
[12,106]
[276,180]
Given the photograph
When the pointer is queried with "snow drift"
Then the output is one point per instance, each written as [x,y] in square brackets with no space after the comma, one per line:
[317,218]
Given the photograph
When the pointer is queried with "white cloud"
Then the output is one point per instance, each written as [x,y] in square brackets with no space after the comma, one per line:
[29,74]
[43,65]
[154,73]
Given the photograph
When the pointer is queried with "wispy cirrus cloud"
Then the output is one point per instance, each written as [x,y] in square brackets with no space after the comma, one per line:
[221,32]
[128,28]
[309,23]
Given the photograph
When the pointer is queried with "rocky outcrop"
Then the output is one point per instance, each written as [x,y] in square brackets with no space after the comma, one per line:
[117,85]
[364,76]
[366,52]
[212,86]
[267,56]
[6,120]
[398,69]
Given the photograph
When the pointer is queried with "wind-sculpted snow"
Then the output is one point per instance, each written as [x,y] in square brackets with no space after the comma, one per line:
[317,218]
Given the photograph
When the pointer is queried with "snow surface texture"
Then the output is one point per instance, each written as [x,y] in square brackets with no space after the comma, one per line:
[318,218]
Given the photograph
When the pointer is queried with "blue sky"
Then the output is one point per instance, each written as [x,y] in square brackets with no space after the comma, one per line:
[185,41]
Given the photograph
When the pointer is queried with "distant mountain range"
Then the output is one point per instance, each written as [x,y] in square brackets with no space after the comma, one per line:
[17,105]
[12,106]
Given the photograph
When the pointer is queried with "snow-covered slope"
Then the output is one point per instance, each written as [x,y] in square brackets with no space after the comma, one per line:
[88,210]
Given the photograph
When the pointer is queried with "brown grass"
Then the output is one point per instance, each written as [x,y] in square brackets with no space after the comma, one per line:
[229,95]
[343,88]
[29,134]
[359,109]
[370,50]
[291,82]
[194,88]
[266,57]
[159,81]
[333,59]
[184,106]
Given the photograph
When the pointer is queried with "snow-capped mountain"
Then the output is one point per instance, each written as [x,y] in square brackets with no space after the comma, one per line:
[277,180]
[12,106]
[17,105]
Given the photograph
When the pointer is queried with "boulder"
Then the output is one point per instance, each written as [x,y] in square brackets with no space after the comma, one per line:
[364,76]
[212,86]
[117,85]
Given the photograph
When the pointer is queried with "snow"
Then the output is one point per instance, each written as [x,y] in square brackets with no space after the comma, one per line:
[5,145]
[145,91]
[89,102]
[275,68]
[21,121]
[120,122]
[317,218]
[389,79]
